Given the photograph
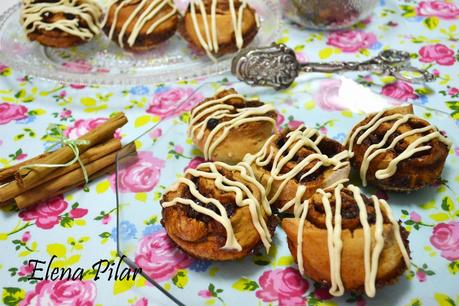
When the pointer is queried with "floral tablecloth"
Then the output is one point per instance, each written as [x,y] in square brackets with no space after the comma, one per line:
[79,228]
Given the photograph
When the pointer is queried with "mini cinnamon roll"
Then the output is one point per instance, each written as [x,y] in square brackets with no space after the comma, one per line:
[396,150]
[219,27]
[294,163]
[140,25]
[348,241]
[61,23]
[227,126]
[218,212]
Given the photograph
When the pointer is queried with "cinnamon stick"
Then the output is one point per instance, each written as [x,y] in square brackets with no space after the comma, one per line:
[65,182]
[35,176]
[94,153]
[7,174]
[30,202]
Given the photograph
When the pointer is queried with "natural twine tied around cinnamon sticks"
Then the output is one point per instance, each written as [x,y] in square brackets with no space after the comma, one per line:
[97,150]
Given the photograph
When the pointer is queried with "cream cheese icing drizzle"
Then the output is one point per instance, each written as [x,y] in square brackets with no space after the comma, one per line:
[296,140]
[148,10]
[209,39]
[376,149]
[244,196]
[217,109]
[33,17]
[335,244]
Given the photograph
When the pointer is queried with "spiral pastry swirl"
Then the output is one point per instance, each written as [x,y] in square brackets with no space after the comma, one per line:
[396,150]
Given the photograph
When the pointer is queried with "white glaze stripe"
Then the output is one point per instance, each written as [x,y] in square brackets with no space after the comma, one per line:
[379,245]
[397,234]
[366,233]
[337,287]
[299,249]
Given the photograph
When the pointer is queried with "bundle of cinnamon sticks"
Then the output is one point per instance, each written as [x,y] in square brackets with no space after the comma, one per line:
[97,151]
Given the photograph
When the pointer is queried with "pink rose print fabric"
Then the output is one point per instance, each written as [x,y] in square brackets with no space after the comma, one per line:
[440,9]
[285,286]
[142,176]
[205,294]
[399,90]
[194,163]
[327,97]
[78,66]
[445,238]
[26,269]
[77,213]
[61,293]
[47,214]
[421,276]
[437,53]
[82,126]
[141,302]
[294,124]
[279,121]
[170,103]
[352,40]
[10,112]
[158,256]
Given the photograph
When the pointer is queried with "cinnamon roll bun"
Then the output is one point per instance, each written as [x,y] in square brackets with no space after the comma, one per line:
[140,25]
[348,241]
[218,212]
[396,150]
[61,23]
[227,126]
[294,163]
[219,27]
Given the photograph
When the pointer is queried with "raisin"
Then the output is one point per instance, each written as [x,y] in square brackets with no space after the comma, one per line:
[46,16]
[349,213]
[230,209]
[280,143]
[212,123]
[69,16]
[371,218]
[375,138]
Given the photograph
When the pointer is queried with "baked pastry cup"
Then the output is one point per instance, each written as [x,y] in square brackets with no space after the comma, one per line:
[398,151]
[226,126]
[139,26]
[61,23]
[219,27]
[218,212]
[294,163]
[348,241]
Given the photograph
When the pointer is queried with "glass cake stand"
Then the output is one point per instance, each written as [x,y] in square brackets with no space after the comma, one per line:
[101,61]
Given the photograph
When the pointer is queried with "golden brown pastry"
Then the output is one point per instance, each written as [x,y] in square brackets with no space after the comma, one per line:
[227,126]
[396,150]
[219,27]
[140,25]
[61,23]
[348,241]
[218,212]
[294,163]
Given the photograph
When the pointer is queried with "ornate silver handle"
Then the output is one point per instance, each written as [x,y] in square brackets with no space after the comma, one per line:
[276,66]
